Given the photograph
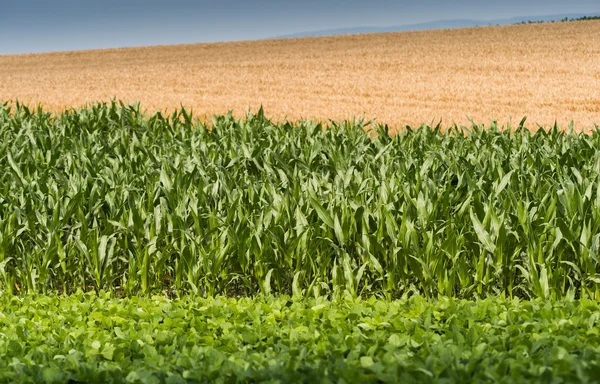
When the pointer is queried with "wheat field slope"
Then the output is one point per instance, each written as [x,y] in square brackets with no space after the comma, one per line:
[546,72]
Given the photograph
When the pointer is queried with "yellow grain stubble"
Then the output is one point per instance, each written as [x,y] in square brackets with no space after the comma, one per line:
[547,72]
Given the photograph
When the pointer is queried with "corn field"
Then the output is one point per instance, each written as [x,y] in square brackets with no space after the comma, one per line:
[110,198]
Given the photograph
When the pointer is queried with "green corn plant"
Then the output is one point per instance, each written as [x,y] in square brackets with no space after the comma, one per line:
[110,197]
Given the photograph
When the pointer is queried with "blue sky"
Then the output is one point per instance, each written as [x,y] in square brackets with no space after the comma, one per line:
[57,25]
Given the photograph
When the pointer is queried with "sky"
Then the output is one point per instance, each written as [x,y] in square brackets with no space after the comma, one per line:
[29,26]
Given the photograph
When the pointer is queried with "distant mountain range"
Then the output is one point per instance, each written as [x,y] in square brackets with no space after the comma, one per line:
[439,24]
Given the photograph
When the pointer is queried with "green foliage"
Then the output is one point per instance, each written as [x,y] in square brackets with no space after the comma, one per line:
[564,19]
[95,338]
[107,198]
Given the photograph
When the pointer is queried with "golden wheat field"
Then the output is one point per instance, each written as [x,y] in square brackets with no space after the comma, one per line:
[546,72]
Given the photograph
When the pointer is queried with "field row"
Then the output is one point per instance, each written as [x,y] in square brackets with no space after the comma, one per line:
[97,338]
[109,198]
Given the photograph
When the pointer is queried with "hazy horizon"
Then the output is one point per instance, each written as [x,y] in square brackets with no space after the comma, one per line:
[39,26]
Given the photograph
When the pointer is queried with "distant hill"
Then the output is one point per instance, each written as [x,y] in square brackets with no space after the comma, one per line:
[439,24]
